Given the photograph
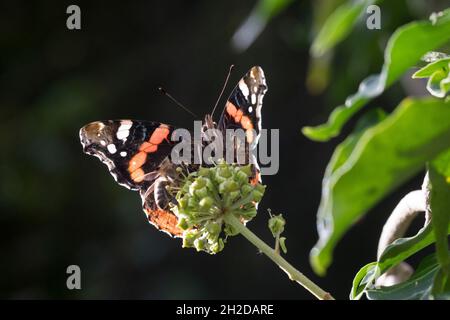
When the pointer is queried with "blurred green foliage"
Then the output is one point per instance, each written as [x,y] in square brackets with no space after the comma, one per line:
[367,166]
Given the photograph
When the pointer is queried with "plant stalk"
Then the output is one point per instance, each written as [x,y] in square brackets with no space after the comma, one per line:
[293,273]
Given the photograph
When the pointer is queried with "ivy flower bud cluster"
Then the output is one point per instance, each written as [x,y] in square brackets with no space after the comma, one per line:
[209,194]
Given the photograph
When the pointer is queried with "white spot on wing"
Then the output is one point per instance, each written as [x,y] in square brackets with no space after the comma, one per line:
[123,154]
[253,98]
[250,109]
[122,134]
[111,148]
[124,129]
[244,88]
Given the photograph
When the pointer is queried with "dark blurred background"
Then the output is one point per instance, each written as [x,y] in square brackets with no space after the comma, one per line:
[61,207]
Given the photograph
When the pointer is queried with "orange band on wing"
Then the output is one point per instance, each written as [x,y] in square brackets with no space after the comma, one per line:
[138,175]
[134,166]
[159,135]
[137,161]
[148,147]
[231,109]
[238,116]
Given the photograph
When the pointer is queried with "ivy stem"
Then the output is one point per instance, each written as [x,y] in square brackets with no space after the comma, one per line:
[293,273]
[277,244]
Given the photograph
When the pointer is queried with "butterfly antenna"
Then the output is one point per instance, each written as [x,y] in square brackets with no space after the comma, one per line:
[164,92]
[223,89]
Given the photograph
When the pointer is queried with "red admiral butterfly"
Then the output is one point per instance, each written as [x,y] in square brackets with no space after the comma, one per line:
[138,153]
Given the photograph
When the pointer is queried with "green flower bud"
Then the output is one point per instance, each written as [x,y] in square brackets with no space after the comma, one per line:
[198,183]
[257,196]
[189,238]
[199,244]
[234,195]
[210,185]
[221,163]
[192,203]
[213,227]
[246,189]
[261,188]
[201,193]
[183,202]
[185,188]
[182,224]
[241,177]
[203,172]
[224,172]
[206,203]
[228,186]
[276,225]
[247,170]
[212,238]
[206,196]
[217,246]
[218,178]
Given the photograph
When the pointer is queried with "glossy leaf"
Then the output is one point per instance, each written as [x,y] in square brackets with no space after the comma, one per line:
[384,157]
[440,208]
[404,49]
[397,252]
[438,74]
[401,249]
[338,25]
[431,68]
[418,287]
[362,280]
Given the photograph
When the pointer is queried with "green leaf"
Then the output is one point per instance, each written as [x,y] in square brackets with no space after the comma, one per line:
[404,49]
[338,25]
[283,244]
[403,248]
[442,165]
[344,150]
[418,287]
[397,252]
[441,285]
[440,209]
[251,28]
[362,280]
[384,157]
[438,73]
[431,68]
